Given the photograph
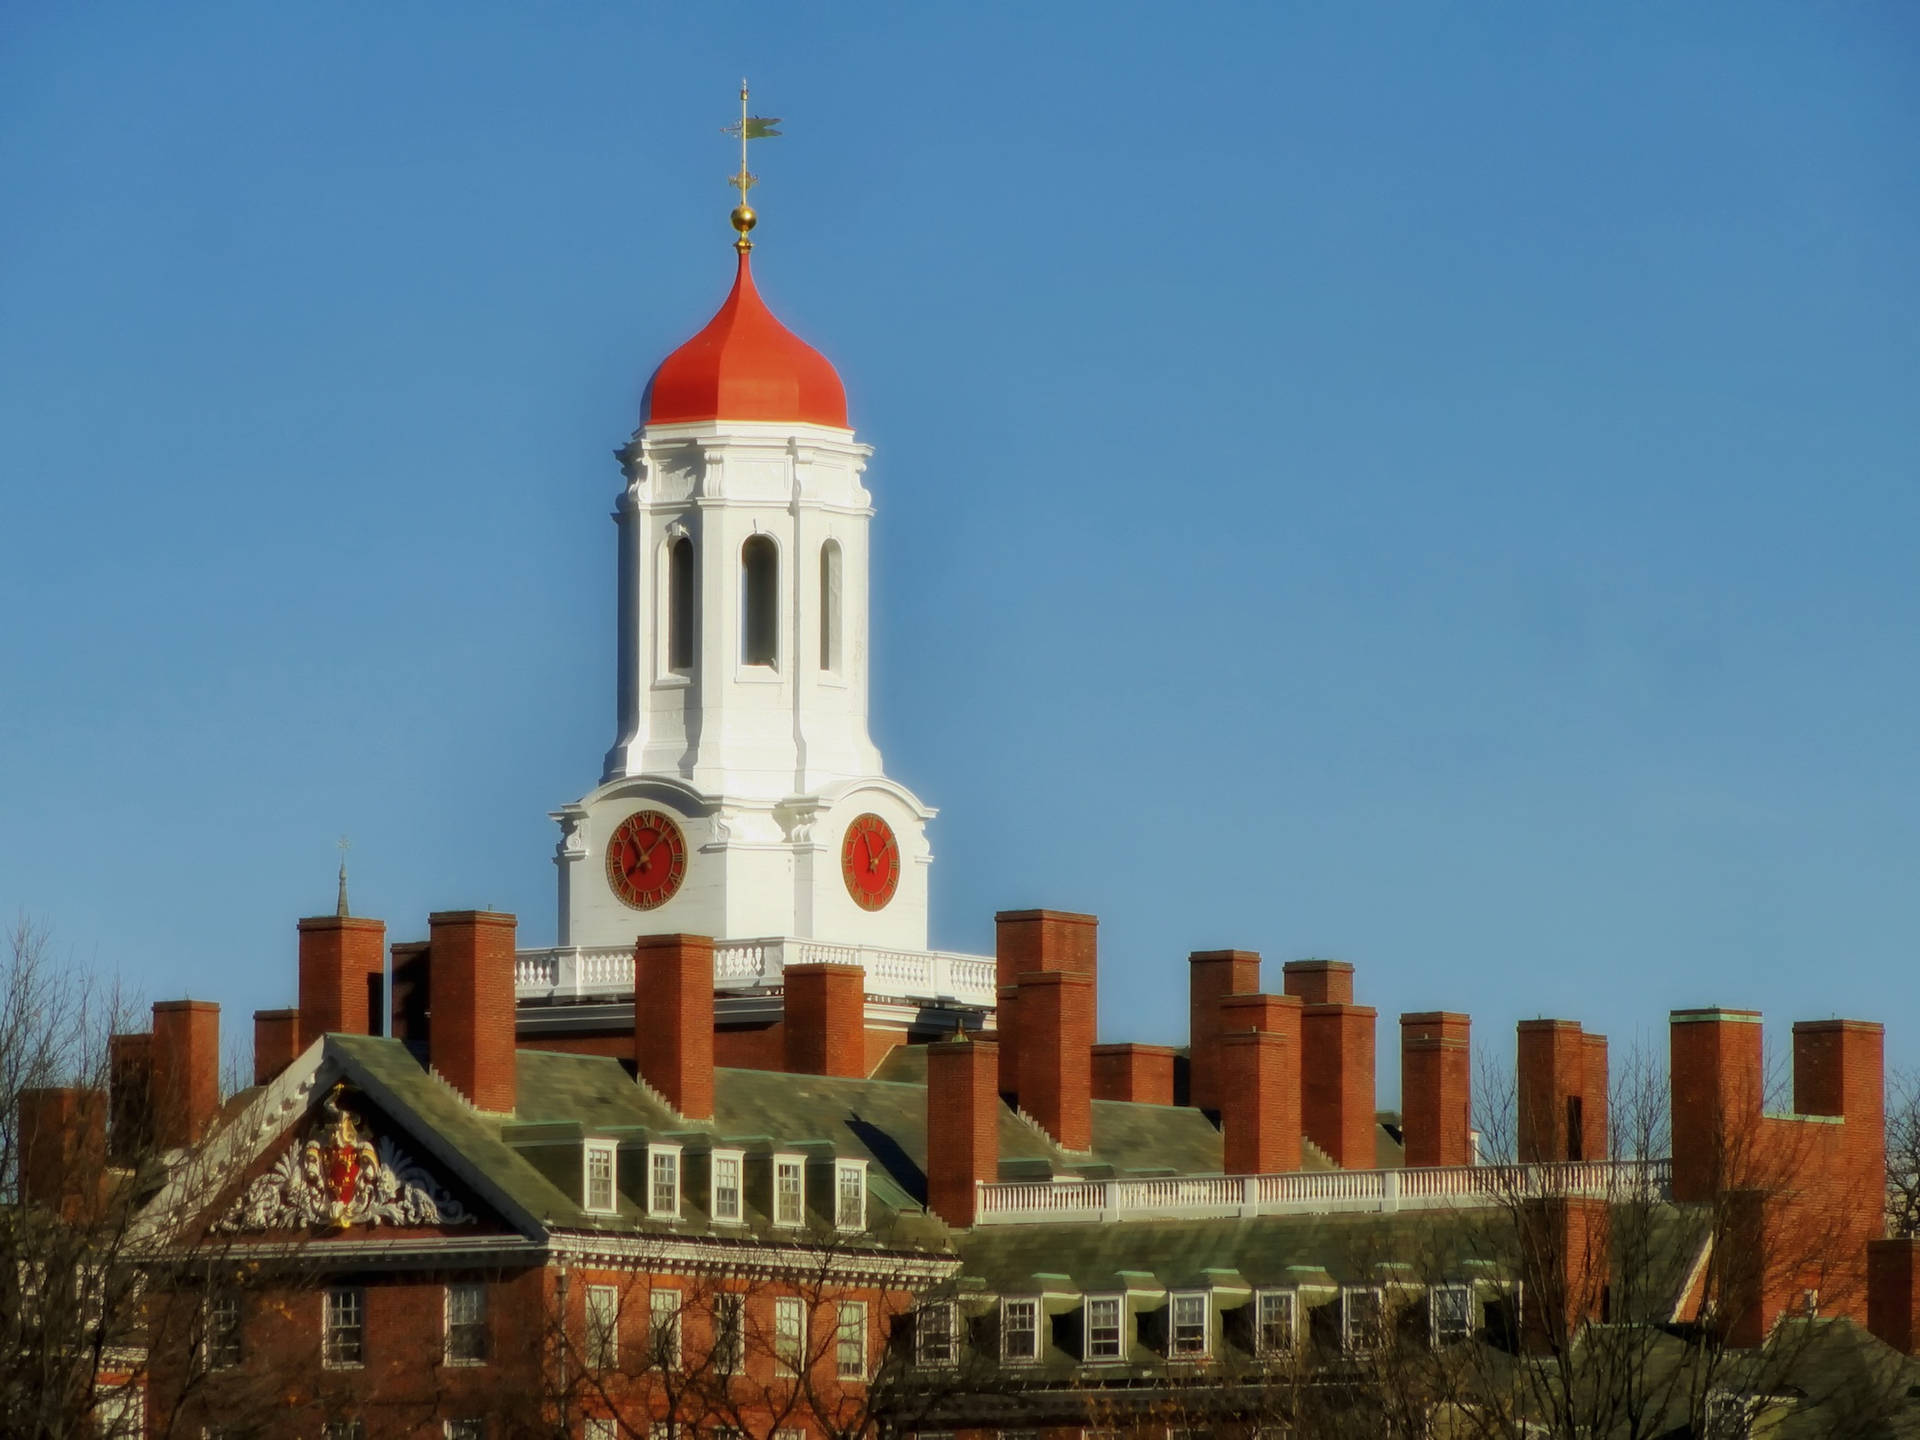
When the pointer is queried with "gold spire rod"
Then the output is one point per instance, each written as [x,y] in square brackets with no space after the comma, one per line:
[747,127]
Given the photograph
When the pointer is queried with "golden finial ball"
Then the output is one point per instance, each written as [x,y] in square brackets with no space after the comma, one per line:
[744,219]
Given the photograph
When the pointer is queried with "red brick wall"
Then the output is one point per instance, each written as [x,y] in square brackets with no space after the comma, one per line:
[963,1125]
[1319,982]
[1056,1054]
[1140,1073]
[1551,1065]
[337,954]
[471,1043]
[1025,941]
[1436,1088]
[1565,1244]
[186,1070]
[1336,1100]
[129,1096]
[1598,1142]
[1715,1079]
[1212,975]
[826,1009]
[1893,1292]
[62,1155]
[276,1041]
[1259,1102]
[673,1027]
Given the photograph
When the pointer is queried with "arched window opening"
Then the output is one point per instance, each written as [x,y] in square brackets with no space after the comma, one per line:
[830,606]
[759,602]
[680,605]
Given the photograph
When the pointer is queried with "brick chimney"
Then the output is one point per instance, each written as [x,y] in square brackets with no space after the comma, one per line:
[185,1070]
[1259,1102]
[472,1040]
[339,957]
[1056,1054]
[1212,975]
[1550,1091]
[276,1041]
[673,1027]
[1337,1060]
[411,998]
[129,1096]
[963,1125]
[826,1019]
[1598,1144]
[1715,1069]
[1025,941]
[1893,1292]
[1142,1074]
[62,1140]
[1436,1088]
[1564,1242]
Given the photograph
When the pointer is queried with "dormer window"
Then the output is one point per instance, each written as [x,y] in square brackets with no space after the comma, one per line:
[1106,1318]
[789,1191]
[663,1182]
[1188,1338]
[1274,1323]
[597,1181]
[1019,1330]
[1450,1313]
[726,1186]
[1363,1311]
[850,1195]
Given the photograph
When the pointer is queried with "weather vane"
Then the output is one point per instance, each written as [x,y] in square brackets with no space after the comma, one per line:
[747,127]
[340,904]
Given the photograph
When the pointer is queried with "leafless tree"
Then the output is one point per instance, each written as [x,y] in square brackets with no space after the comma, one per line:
[1903,1153]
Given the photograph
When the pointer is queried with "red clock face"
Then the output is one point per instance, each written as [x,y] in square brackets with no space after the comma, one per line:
[870,862]
[646,860]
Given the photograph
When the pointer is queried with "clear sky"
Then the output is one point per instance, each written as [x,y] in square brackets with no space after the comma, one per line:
[1433,486]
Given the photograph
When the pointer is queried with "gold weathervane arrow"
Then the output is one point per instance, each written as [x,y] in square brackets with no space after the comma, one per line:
[747,127]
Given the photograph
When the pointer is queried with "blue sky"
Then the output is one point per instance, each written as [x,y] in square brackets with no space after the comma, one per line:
[1433,486]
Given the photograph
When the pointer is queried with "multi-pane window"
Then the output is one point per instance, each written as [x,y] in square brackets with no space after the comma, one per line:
[1362,1317]
[1274,1323]
[343,1430]
[1019,1329]
[599,1180]
[663,1181]
[466,1430]
[726,1187]
[729,1332]
[344,1337]
[851,1353]
[223,1332]
[1104,1314]
[1189,1333]
[789,1192]
[466,1324]
[603,1327]
[1450,1309]
[933,1333]
[789,1334]
[850,1196]
[663,1328]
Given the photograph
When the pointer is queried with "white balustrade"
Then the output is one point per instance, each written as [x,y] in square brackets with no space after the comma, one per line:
[1312,1192]
[582,973]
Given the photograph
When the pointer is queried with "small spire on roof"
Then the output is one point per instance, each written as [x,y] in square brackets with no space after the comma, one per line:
[340,905]
[747,127]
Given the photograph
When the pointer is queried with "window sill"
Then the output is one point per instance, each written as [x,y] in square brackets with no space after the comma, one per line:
[759,675]
[673,680]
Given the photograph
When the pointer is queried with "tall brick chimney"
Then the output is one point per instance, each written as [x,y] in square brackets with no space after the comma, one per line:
[1893,1292]
[1259,1102]
[1026,941]
[1564,1243]
[826,1019]
[129,1096]
[62,1139]
[1056,1054]
[471,1043]
[673,1027]
[185,1070]
[1598,1144]
[1337,1061]
[276,1041]
[963,1125]
[1550,1091]
[1715,1075]
[339,956]
[1212,975]
[1142,1074]
[1436,1087]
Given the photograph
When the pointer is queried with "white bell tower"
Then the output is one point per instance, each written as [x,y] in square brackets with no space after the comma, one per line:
[743,668]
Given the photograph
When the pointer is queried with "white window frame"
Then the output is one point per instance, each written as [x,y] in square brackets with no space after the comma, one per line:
[729,1352]
[1287,1299]
[1730,1414]
[1119,1328]
[1348,1342]
[357,1295]
[1175,1348]
[849,1183]
[851,1339]
[659,1158]
[1451,1335]
[1030,1308]
[609,1152]
[468,1289]
[789,1335]
[222,1339]
[735,1212]
[790,1216]
[947,1331]
[475,1429]
[664,1306]
[602,1318]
